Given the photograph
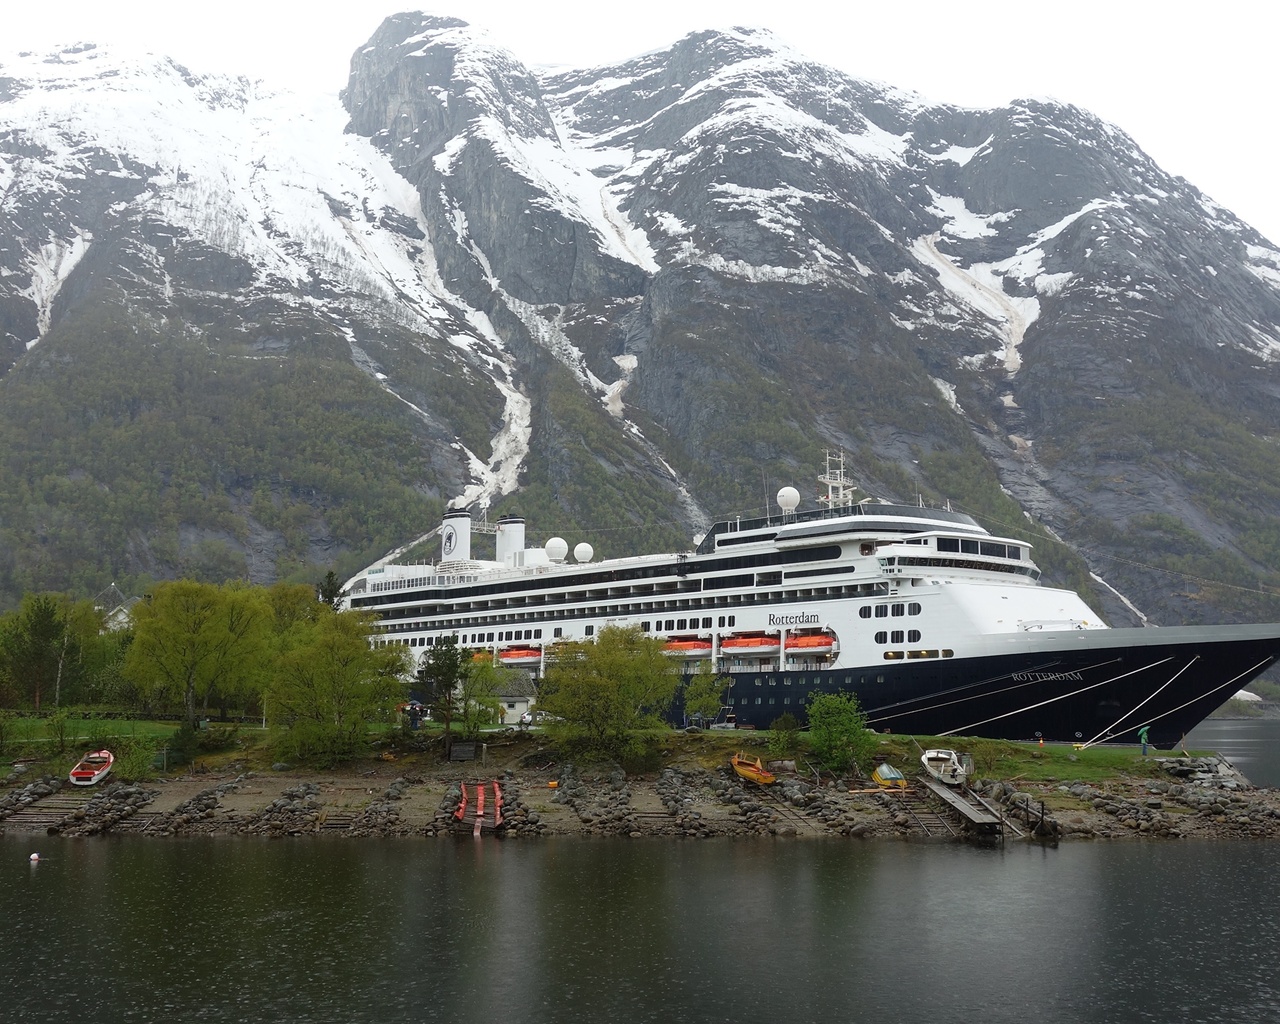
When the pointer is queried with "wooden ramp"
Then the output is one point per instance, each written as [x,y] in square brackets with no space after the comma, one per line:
[923,816]
[42,815]
[974,812]
[479,809]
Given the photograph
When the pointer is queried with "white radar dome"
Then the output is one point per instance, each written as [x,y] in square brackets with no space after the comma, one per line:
[584,552]
[788,499]
[557,548]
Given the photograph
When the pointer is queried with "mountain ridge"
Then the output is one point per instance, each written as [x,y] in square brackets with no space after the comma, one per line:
[621,299]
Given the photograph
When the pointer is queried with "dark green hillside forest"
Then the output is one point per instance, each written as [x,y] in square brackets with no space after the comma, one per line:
[1225,473]
[128,453]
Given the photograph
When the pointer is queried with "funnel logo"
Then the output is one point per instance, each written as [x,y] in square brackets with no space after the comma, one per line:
[450,540]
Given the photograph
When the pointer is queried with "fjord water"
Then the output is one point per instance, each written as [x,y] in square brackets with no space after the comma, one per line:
[1251,744]
[563,930]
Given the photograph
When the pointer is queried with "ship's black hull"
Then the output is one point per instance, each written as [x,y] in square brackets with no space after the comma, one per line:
[1081,687]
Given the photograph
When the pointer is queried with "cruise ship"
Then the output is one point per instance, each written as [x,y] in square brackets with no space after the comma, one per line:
[936,625]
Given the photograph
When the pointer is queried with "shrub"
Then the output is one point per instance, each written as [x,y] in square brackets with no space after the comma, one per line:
[784,735]
[838,732]
[135,757]
[216,738]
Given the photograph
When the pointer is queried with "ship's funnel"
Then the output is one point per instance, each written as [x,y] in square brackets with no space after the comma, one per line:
[455,536]
[510,539]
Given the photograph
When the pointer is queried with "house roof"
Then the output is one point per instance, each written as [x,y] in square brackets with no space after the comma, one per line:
[517,684]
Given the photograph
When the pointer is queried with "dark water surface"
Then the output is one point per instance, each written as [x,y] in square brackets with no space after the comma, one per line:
[650,930]
[1251,744]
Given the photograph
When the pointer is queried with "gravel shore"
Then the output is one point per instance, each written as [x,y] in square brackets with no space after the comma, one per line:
[418,796]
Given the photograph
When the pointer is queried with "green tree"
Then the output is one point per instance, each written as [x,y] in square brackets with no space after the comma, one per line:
[191,637]
[439,678]
[330,684]
[704,692]
[838,732]
[784,735]
[477,696]
[293,603]
[606,690]
[329,590]
[37,648]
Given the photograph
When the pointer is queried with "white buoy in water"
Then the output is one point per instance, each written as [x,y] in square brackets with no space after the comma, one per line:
[35,857]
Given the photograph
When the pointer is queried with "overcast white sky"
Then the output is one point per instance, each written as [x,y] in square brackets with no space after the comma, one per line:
[1196,86]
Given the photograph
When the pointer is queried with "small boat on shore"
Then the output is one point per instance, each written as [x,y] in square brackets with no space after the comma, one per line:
[886,776]
[92,768]
[945,766]
[751,769]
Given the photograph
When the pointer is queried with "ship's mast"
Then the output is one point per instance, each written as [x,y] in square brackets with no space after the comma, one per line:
[839,489]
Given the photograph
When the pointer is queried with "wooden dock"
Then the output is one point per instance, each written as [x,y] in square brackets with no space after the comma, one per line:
[976,814]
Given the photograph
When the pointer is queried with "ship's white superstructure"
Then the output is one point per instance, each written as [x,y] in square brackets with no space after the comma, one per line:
[933,622]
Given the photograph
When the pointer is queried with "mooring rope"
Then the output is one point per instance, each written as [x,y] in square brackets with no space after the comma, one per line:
[1150,696]
[1051,700]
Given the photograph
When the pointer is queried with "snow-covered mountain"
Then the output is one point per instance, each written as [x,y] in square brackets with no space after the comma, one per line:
[621,301]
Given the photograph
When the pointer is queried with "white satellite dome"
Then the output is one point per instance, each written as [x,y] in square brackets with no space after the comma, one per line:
[584,552]
[788,499]
[557,548]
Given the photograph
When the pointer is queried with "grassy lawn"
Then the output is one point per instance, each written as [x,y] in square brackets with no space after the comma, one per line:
[999,759]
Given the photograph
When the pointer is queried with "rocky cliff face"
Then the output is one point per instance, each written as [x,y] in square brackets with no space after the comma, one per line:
[624,301]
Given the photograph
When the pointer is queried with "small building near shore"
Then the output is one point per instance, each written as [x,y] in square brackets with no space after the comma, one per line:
[517,693]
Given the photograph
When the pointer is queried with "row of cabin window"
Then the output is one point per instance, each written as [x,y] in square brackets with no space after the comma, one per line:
[980,547]
[679,625]
[394,619]
[502,636]
[912,636]
[883,611]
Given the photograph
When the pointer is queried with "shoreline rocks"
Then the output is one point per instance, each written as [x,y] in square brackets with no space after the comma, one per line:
[1200,798]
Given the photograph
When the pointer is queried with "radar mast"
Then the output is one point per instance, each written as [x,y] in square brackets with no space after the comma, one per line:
[840,490]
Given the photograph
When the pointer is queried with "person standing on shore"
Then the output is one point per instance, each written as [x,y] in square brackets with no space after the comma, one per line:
[1142,738]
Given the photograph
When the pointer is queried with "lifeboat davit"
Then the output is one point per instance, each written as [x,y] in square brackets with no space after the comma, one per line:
[520,656]
[760,646]
[811,643]
[690,649]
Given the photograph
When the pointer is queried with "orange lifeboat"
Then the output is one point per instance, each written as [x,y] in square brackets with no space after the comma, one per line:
[761,645]
[520,656]
[811,643]
[692,649]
